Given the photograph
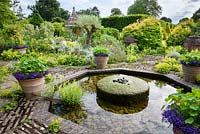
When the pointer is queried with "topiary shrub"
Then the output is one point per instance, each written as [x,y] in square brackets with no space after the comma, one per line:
[147,33]
[119,22]
[180,33]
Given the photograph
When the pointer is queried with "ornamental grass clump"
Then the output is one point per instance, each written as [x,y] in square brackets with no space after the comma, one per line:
[71,93]
[183,111]
[30,67]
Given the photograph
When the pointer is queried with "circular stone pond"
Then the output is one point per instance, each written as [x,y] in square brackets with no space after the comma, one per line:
[122,90]
[104,117]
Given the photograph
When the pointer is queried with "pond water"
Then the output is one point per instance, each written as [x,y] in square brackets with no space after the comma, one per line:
[103,117]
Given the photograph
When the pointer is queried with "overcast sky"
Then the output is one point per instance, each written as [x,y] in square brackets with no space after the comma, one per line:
[174,9]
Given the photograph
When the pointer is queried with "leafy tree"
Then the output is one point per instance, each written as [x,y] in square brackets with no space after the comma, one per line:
[196,15]
[90,11]
[166,19]
[183,19]
[149,7]
[115,11]
[6,15]
[36,19]
[49,9]
[64,14]
[90,23]
[58,19]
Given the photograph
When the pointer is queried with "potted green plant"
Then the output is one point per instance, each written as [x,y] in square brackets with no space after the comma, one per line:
[193,41]
[183,112]
[14,34]
[30,72]
[101,56]
[191,65]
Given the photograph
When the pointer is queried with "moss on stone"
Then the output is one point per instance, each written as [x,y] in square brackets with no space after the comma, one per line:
[134,91]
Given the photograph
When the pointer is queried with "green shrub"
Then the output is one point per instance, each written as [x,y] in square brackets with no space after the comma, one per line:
[116,54]
[54,126]
[100,50]
[9,106]
[5,93]
[4,71]
[132,58]
[10,55]
[59,29]
[197,79]
[167,65]
[163,68]
[109,31]
[71,93]
[48,78]
[72,60]
[105,40]
[180,33]
[149,51]
[132,49]
[147,33]
[36,19]
[166,29]
[119,22]
[173,54]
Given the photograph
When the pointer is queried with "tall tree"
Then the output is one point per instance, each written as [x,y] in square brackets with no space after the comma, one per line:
[149,7]
[48,9]
[115,11]
[6,14]
[90,11]
[90,23]
[166,19]
[64,14]
[183,19]
[196,15]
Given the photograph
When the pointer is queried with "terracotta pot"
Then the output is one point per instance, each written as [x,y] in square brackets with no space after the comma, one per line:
[190,72]
[32,87]
[101,61]
[177,131]
[192,43]
[21,50]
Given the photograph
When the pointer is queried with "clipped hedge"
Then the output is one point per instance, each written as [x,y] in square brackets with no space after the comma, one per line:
[148,33]
[119,22]
[180,33]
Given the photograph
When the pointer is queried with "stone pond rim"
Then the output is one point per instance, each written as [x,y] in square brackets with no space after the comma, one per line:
[123,89]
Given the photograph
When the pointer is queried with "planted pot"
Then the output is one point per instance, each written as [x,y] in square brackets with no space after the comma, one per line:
[101,60]
[32,87]
[190,72]
[192,43]
[20,49]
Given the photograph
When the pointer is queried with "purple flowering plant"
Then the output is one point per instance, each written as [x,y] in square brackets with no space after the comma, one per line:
[183,111]
[30,67]
[191,58]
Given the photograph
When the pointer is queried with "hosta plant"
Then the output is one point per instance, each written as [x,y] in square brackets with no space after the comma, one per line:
[183,111]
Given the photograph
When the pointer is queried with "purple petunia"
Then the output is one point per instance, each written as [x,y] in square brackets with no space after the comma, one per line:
[22,76]
[19,47]
[178,121]
[191,63]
